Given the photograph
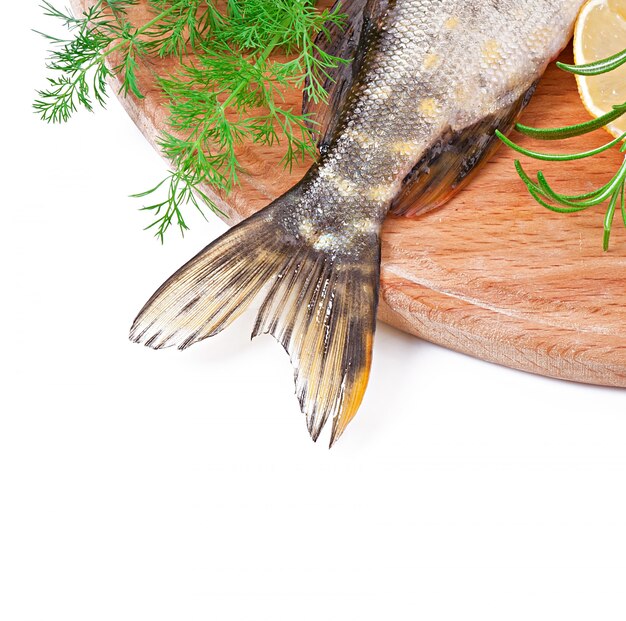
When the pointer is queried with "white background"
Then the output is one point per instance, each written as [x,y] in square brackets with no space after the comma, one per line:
[141,485]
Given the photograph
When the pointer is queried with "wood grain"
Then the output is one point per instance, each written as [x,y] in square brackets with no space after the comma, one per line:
[492,274]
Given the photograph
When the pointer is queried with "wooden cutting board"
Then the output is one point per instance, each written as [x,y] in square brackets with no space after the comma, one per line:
[491,274]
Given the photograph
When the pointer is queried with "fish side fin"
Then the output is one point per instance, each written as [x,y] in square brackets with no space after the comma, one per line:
[453,161]
[322,310]
[362,17]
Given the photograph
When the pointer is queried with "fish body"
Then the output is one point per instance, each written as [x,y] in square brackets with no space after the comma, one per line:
[430,82]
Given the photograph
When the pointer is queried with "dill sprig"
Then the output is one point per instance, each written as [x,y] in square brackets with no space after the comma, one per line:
[232,94]
[613,191]
[80,64]
[229,92]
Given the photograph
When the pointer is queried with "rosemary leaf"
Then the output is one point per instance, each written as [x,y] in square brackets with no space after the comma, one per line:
[613,191]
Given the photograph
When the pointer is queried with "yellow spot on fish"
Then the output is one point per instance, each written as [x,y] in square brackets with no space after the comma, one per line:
[361,138]
[451,22]
[381,193]
[428,107]
[345,187]
[463,95]
[431,61]
[491,51]
[405,148]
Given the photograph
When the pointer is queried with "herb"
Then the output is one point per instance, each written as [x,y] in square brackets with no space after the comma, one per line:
[613,191]
[230,92]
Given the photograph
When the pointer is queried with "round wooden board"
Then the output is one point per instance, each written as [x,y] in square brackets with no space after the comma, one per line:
[492,274]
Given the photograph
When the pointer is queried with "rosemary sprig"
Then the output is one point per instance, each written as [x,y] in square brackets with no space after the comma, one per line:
[597,67]
[613,191]
[230,93]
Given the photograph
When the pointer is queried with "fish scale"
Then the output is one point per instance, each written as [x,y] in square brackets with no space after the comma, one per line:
[412,118]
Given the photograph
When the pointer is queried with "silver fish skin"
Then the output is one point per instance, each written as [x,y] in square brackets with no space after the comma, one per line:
[432,81]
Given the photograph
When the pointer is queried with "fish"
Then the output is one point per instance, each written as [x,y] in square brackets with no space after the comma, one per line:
[410,120]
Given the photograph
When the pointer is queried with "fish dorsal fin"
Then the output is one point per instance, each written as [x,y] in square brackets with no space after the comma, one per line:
[344,42]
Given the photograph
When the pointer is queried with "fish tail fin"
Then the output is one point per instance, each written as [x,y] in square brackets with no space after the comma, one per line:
[320,307]
[323,311]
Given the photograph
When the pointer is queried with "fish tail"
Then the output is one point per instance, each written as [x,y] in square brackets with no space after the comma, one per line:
[320,307]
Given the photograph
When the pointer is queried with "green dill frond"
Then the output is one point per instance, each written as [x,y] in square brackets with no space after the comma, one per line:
[79,65]
[292,27]
[182,29]
[230,94]
[79,75]
[181,190]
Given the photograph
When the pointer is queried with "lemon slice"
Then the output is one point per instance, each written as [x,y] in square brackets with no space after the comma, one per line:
[600,32]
